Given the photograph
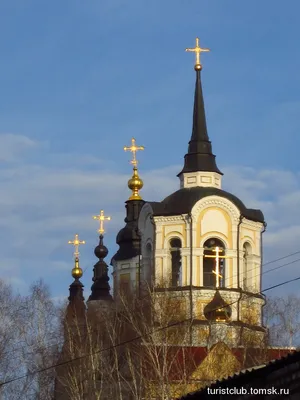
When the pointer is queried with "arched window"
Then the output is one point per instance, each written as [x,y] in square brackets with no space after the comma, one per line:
[247,253]
[175,252]
[209,263]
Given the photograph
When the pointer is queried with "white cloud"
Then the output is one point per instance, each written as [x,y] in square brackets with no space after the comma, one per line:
[12,146]
[275,192]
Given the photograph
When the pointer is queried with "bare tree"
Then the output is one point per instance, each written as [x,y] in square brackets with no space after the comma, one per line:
[282,316]
[39,325]
[142,360]
[9,336]
[29,341]
[135,349]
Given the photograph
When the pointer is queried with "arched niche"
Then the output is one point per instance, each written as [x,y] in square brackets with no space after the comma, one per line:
[221,203]
[173,235]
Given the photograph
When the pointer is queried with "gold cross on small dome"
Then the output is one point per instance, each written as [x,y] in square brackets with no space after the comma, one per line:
[76,243]
[101,218]
[134,148]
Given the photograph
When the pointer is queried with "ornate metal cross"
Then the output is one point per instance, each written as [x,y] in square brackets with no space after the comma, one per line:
[217,257]
[76,243]
[198,50]
[101,218]
[133,148]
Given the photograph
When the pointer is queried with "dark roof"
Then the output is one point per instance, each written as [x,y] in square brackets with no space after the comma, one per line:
[183,200]
[199,156]
[249,375]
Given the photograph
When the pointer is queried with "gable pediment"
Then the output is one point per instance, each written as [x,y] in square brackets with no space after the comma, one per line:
[219,363]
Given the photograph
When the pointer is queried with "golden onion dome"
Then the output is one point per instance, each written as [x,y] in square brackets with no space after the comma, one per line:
[77,271]
[135,184]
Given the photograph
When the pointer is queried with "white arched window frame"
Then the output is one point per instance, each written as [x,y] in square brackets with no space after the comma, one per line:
[175,246]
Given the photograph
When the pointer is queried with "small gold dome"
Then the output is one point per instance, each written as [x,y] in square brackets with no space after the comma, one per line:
[135,184]
[198,67]
[77,271]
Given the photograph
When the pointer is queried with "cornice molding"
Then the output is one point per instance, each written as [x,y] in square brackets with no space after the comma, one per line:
[173,219]
[253,224]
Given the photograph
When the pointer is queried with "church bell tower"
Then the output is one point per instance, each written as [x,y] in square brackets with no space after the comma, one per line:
[202,245]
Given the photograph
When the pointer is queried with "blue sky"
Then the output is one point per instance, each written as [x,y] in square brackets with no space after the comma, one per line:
[79,79]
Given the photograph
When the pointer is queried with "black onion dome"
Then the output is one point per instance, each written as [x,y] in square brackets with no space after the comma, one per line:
[128,237]
[127,234]
[217,309]
[101,251]
[183,200]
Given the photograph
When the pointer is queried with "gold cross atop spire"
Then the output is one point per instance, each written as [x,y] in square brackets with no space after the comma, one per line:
[133,148]
[76,243]
[217,257]
[198,50]
[101,218]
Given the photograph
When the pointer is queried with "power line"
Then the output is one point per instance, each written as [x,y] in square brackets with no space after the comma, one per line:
[273,269]
[281,266]
[270,262]
[137,337]
[281,258]
[265,272]
[281,284]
